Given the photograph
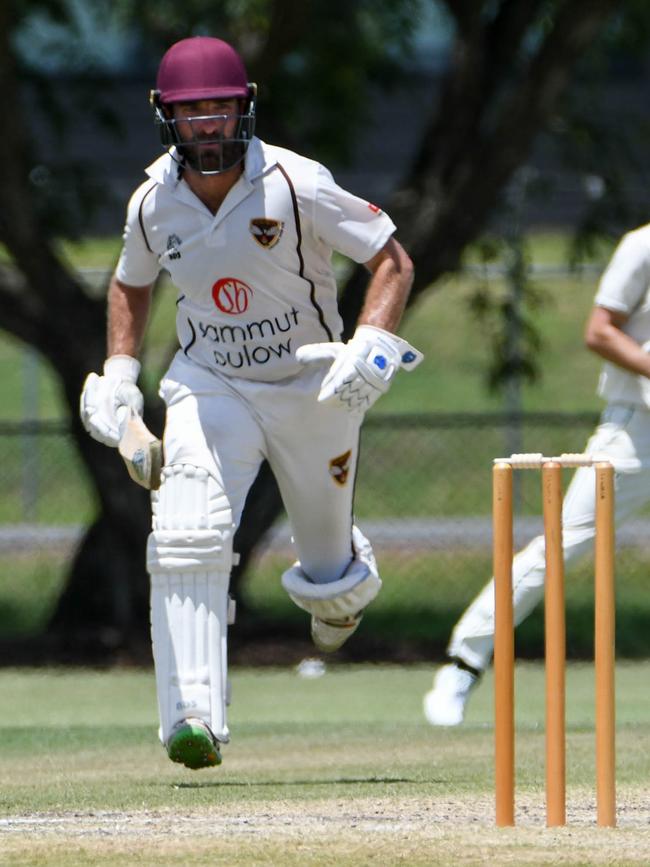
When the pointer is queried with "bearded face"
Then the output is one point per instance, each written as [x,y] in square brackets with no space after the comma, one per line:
[212,135]
[212,155]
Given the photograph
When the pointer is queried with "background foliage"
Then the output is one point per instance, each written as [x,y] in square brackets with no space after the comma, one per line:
[508,89]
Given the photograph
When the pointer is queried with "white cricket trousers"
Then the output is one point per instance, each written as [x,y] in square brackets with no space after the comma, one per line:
[229,426]
[623,434]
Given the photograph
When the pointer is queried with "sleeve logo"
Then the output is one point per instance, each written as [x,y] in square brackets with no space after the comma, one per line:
[173,245]
[267,233]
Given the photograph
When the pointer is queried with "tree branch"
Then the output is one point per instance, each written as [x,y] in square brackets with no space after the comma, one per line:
[456,180]
[466,14]
[286,25]
[505,37]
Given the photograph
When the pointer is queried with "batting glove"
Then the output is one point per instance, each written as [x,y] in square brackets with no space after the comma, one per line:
[105,399]
[363,368]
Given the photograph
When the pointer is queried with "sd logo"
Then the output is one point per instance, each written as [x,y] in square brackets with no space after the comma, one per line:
[231,295]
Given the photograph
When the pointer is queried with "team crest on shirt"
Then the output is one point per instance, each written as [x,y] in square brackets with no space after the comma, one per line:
[266,232]
[340,468]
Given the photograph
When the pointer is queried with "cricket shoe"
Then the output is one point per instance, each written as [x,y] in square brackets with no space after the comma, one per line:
[192,744]
[329,635]
[444,705]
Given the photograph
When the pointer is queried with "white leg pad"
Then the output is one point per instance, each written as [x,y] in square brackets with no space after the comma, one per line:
[337,600]
[189,558]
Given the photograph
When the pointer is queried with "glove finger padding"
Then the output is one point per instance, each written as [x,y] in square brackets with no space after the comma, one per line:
[312,352]
[98,426]
[363,368]
[127,394]
[102,397]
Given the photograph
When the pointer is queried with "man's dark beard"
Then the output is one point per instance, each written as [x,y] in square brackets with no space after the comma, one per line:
[225,156]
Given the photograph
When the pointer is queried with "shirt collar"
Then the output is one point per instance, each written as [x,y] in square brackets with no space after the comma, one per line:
[164,170]
[258,160]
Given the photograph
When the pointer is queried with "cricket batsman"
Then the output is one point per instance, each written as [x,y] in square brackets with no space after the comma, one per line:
[246,232]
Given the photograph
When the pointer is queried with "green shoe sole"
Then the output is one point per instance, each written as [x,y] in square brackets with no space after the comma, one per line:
[191,744]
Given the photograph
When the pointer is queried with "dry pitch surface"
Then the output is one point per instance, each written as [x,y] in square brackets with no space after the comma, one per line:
[298,786]
[417,831]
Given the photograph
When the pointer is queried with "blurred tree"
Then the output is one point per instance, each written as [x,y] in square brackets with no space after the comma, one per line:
[510,64]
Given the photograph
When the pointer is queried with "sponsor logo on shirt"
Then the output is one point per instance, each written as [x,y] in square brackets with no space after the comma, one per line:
[266,232]
[231,295]
[249,344]
[340,468]
[173,243]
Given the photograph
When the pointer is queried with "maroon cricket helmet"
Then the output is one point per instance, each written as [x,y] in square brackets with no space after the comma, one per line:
[201,67]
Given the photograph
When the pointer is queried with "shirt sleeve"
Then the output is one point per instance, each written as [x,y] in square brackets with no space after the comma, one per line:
[625,280]
[351,225]
[138,265]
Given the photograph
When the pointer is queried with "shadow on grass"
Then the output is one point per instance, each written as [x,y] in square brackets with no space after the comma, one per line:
[343,781]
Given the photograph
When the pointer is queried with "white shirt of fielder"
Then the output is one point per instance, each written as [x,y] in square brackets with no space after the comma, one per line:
[255,279]
[619,331]
[624,291]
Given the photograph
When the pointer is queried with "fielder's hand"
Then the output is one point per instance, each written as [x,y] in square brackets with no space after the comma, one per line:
[105,399]
[362,368]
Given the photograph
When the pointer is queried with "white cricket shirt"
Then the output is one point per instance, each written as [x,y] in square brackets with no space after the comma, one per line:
[255,280]
[625,287]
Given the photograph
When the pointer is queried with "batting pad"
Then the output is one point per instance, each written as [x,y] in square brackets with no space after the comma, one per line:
[335,600]
[189,558]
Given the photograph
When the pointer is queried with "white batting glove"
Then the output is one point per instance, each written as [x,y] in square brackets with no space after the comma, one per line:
[363,368]
[104,399]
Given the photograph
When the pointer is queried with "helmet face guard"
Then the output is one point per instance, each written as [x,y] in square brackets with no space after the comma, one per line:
[208,155]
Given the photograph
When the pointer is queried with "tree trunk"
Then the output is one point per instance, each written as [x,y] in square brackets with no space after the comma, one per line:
[104,605]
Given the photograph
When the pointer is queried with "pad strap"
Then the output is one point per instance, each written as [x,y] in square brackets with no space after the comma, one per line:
[189,550]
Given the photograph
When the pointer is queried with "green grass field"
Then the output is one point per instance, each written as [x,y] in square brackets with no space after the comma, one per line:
[338,770]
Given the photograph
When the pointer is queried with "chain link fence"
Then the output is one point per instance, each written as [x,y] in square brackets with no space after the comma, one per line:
[422,479]
[423,497]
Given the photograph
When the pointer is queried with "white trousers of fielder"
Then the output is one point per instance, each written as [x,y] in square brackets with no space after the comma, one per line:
[623,434]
